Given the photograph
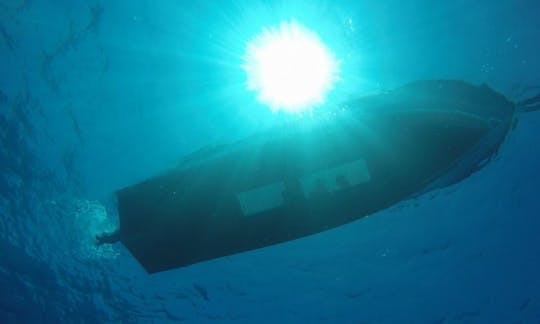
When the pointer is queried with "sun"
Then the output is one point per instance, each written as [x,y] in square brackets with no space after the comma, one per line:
[290,68]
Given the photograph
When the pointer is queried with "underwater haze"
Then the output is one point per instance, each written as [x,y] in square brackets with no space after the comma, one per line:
[99,95]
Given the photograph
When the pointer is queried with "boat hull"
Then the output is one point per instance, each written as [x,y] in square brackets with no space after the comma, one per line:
[292,183]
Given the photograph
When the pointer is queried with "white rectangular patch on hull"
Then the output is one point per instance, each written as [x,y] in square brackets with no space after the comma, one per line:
[261,199]
[335,179]
[271,196]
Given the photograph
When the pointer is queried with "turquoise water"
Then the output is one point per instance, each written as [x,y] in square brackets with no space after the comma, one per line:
[96,96]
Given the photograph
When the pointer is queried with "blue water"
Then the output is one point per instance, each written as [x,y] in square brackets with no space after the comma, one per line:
[98,95]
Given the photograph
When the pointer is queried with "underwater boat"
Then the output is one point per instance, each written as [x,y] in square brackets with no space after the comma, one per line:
[295,181]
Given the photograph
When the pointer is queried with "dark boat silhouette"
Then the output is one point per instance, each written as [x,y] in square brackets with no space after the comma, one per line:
[291,182]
